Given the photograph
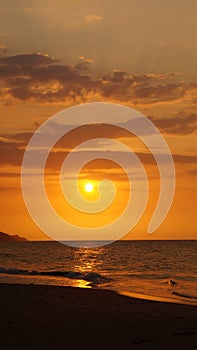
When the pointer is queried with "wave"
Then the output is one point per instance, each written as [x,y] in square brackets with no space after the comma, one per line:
[183,295]
[92,277]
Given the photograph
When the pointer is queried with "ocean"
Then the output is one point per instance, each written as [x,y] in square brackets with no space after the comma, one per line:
[157,270]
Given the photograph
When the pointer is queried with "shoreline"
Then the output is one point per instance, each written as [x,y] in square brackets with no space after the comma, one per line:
[158,299]
[185,301]
[80,318]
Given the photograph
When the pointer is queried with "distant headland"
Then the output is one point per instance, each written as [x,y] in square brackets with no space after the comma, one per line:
[5,237]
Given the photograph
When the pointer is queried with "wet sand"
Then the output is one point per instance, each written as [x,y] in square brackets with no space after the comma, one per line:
[51,317]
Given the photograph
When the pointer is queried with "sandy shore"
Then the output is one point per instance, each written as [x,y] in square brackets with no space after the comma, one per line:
[72,318]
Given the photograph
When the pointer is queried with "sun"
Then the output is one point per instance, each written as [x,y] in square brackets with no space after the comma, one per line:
[88,187]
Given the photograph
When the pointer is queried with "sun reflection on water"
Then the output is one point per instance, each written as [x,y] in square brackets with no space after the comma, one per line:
[86,261]
[80,284]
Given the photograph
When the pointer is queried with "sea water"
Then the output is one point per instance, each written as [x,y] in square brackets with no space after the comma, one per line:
[164,270]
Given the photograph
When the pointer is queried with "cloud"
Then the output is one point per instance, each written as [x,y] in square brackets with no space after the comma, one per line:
[183,159]
[12,175]
[193,172]
[165,92]
[31,59]
[3,49]
[179,124]
[86,60]
[10,154]
[12,149]
[40,78]
[28,10]
[93,18]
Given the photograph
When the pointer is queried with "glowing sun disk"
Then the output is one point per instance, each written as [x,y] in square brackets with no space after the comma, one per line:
[88,187]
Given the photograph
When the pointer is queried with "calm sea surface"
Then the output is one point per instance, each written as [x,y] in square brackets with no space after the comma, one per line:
[156,269]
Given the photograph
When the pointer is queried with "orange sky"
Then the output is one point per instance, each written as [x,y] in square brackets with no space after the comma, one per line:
[140,54]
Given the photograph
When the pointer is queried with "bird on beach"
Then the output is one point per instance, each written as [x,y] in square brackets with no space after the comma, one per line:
[171,282]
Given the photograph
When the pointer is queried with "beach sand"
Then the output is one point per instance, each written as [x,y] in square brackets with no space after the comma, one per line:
[51,317]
